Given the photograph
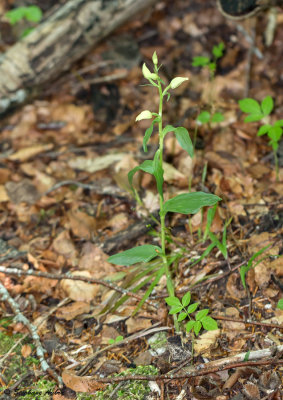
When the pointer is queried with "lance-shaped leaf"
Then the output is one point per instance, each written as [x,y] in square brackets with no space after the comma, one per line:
[135,255]
[183,137]
[184,140]
[190,203]
[148,133]
[146,166]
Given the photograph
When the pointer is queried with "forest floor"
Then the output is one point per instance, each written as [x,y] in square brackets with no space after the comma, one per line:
[66,205]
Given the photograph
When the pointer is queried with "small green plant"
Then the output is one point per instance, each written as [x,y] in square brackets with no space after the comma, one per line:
[211,63]
[245,268]
[118,339]
[129,390]
[30,13]
[206,117]
[185,309]
[186,203]
[259,111]
[280,304]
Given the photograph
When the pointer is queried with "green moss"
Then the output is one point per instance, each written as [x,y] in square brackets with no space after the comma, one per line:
[128,390]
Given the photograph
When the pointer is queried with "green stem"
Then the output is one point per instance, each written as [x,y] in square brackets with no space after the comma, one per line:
[170,284]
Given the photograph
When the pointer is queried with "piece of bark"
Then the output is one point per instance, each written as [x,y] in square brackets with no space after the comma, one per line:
[65,36]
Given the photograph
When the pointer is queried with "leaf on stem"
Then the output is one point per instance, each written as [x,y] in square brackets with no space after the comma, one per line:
[135,255]
[190,203]
[190,325]
[184,140]
[250,106]
[267,105]
[148,133]
[201,314]
[173,301]
[186,299]
[209,323]
[146,166]
[192,308]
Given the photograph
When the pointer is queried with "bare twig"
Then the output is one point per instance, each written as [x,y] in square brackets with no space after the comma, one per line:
[247,322]
[19,317]
[108,284]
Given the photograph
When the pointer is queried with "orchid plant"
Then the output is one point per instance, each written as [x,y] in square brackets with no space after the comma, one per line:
[185,203]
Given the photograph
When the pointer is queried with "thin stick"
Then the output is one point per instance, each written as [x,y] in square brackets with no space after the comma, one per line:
[108,284]
[19,317]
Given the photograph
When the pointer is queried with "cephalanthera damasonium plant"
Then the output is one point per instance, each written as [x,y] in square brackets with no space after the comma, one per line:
[186,203]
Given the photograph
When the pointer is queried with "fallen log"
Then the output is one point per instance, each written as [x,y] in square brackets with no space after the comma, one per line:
[65,36]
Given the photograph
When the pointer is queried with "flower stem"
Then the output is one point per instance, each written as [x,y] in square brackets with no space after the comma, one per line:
[170,284]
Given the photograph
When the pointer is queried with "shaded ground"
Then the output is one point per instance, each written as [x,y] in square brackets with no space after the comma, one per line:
[82,130]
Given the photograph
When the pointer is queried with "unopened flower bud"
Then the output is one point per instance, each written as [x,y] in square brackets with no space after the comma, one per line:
[147,74]
[154,58]
[177,82]
[144,115]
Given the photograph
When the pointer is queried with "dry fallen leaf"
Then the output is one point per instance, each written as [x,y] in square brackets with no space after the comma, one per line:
[137,324]
[29,152]
[86,384]
[79,290]
[71,311]
[205,341]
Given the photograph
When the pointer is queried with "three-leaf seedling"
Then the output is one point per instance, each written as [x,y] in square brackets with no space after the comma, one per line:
[184,310]
[185,203]
[258,111]
[28,13]
[211,63]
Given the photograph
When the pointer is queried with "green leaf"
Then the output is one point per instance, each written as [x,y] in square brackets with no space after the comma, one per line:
[15,15]
[192,308]
[190,203]
[146,166]
[147,134]
[217,117]
[263,129]
[275,133]
[201,314]
[280,304]
[267,105]
[203,117]
[274,145]
[253,117]
[182,316]
[173,301]
[209,323]
[175,309]
[197,327]
[250,106]
[184,140]
[158,173]
[200,61]
[135,255]
[245,268]
[279,123]
[190,325]
[209,219]
[186,299]
[217,50]
[166,129]
[33,14]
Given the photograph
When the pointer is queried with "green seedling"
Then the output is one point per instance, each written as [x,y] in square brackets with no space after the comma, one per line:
[215,242]
[210,62]
[280,304]
[118,339]
[246,268]
[206,117]
[259,111]
[184,310]
[186,203]
[31,14]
